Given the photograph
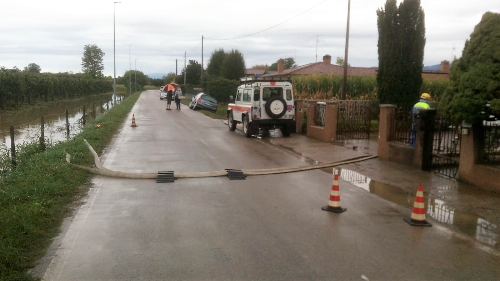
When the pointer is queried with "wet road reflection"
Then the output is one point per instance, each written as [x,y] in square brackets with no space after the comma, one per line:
[27,122]
[475,226]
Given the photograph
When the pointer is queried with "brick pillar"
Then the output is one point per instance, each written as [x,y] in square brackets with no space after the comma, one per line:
[299,115]
[310,116]
[331,116]
[386,126]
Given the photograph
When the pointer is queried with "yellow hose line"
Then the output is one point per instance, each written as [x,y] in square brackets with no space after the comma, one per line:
[101,170]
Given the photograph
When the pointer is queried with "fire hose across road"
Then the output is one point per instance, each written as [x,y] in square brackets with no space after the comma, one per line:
[102,171]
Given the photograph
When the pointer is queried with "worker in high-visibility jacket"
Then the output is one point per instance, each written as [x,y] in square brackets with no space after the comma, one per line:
[422,104]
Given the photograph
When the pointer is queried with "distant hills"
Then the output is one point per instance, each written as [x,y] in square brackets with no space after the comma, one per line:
[433,67]
[156,75]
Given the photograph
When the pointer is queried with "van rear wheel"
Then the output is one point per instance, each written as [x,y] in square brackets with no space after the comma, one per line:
[246,125]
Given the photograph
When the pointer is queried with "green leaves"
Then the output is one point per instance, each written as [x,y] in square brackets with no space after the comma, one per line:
[401,52]
[475,77]
[92,64]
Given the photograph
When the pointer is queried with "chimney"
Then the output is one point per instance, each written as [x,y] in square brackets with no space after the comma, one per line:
[281,65]
[327,59]
[445,66]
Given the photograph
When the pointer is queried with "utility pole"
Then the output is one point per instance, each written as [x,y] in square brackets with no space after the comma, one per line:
[175,67]
[346,63]
[201,76]
[130,69]
[184,67]
[114,51]
[135,78]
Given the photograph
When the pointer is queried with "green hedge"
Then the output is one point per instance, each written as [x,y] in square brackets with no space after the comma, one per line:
[220,88]
[19,88]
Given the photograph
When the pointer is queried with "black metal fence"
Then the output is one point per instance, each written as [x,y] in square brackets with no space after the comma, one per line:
[491,143]
[354,118]
[403,133]
[446,147]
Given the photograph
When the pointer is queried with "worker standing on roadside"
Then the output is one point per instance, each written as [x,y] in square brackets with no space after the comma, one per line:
[422,104]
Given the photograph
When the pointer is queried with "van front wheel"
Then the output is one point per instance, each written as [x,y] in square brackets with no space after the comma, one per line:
[230,122]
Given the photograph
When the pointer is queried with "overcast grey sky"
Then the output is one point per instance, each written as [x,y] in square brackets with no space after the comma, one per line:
[154,34]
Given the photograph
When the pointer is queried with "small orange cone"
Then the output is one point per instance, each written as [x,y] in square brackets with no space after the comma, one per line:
[133,121]
[334,202]
[418,214]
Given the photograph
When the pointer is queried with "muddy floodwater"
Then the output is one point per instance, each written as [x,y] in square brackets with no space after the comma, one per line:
[440,210]
[27,122]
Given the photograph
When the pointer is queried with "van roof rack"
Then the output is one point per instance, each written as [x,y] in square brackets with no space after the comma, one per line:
[247,80]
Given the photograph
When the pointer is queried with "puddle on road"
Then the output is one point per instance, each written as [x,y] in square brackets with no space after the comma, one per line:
[472,225]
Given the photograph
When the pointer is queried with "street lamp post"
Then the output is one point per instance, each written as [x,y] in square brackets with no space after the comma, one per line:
[114,52]
[130,69]
[135,74]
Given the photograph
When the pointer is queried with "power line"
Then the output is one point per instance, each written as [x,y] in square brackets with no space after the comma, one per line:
[269,27]
[195,48]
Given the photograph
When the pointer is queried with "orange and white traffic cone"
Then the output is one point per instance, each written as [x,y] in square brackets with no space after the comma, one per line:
[133,121]
[334,202]
[418,214]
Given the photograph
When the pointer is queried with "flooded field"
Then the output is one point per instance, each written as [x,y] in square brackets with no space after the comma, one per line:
[27,122]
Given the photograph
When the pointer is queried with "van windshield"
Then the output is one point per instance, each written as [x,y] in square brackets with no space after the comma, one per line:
[268,92]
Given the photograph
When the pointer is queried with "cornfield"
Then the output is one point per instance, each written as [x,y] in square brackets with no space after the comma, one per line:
[329,87]
[18,88]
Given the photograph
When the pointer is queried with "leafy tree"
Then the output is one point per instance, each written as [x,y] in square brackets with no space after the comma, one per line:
[289,63]
[170,77]
[137,80]
[33,68]
[475,77]
[400,50]
[233,66]
[340,61]
[260,66]
[215,63]
[157,82]
[193,73]
[92,64]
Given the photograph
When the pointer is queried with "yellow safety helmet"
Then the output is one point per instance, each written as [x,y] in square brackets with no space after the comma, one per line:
[425,96]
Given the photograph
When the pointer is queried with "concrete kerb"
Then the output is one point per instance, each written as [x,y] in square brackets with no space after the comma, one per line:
[101,170]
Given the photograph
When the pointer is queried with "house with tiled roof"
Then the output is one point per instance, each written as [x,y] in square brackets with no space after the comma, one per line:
[324,67]
[255,72]
[327,68]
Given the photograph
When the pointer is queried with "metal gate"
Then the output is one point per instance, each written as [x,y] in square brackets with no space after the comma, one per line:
[446,147]
[353,119]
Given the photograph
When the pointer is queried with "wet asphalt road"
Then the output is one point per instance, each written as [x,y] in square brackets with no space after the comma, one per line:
[262,228]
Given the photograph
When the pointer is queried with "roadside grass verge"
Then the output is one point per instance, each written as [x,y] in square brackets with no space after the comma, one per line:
[37,195]
[220,114]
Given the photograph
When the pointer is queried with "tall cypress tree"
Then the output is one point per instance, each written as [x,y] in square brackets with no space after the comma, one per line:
[401,52]
[412,32]
[388,52]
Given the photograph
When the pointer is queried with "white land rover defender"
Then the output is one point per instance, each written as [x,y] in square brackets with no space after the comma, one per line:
[262,104]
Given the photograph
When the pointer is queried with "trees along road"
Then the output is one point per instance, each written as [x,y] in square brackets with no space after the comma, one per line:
[262,228]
